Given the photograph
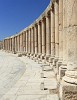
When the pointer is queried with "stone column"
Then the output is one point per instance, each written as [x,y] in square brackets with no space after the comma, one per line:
[36,39]
[6,44]
[52,19]
[39,39]
[10,44]
[56,28]
[43,37]
[63,67]
[60,29]
[52,31]
[26,42]
[48,37]
[60,62]
[18,43]
[69,82]
[21,43]
[29,41]
[64,31]
[15,44]
[32,40]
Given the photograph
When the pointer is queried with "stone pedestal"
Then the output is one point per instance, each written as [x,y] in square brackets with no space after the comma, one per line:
[69,86]
[62,70]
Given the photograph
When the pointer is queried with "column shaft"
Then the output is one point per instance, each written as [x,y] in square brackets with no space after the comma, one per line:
[26,42]
[56,28]
[48,36]
[43,37]
[60,29]
[39,39]
[32,40]
[29,41]
[52,32]
[36,39]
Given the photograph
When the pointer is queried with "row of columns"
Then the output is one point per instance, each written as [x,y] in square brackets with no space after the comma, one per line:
[54,36]
[42,38]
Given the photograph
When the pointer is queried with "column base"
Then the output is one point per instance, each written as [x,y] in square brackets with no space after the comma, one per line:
[62,70]
[47,57]
[51,59]
[55,60]
[58,64]
[69,86]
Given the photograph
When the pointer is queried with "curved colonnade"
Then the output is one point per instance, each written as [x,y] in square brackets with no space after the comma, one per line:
[52,38]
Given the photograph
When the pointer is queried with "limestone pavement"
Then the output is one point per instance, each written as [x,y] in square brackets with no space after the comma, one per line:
[20,79]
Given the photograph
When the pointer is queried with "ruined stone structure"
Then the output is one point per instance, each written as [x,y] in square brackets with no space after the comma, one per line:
[52,39]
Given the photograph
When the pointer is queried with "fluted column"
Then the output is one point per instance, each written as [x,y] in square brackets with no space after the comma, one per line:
[43,37]
[39,39]
[56,28]
[36,39]
[48,36]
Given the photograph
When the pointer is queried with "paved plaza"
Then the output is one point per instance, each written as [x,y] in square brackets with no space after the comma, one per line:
[20,79]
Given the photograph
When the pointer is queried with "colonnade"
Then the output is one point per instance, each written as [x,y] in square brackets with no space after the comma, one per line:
[53,35]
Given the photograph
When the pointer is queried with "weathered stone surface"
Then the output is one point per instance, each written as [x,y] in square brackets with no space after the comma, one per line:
[69,91]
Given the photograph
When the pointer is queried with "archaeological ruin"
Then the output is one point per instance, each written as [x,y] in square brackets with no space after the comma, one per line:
[52,40]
